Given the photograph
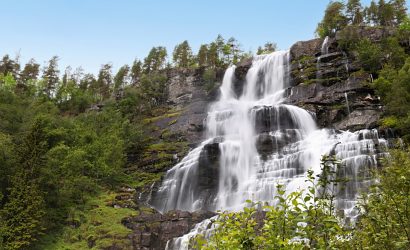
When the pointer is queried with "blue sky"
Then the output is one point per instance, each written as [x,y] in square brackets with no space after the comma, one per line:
[89,33]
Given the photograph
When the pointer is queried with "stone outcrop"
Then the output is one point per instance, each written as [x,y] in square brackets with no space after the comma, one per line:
[152,230]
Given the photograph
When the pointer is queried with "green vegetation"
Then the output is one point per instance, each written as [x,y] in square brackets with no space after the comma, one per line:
[70,141]
[385,216]
[99,227]
[338,15]
[307,220]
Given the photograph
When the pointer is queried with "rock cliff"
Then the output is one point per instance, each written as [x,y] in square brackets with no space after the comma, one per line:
[330,85]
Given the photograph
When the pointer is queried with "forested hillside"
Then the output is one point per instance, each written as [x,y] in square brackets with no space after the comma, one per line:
[76,149]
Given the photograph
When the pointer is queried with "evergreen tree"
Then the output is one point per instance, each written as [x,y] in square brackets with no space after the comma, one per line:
[30,71]
[220,44]
[9,66]
[269,47]
[333,19]
[88,82]
[25,208]
[136,71]
[23,215]
[354,12]
[372,15]
[400,11]
[182,55]
[156,60]
[50,76]
[201,58]
[120,79]
[104,81]
[212,57]
[385,13]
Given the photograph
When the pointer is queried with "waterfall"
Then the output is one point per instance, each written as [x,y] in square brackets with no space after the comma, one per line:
[325,46]
[324,50]
[255,141]
[347,103]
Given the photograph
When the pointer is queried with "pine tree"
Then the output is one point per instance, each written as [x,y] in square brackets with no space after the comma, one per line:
[400,11]
[104,81]
[269,47]
[88,82]
[50,76]
[182,55]
[372,15]
[354,12]
[9,66]
[333,20]
[30,71]
[385,13]
[136,71]
[23,214]
[120,79]
[212,57]
[201,58]
[156,60]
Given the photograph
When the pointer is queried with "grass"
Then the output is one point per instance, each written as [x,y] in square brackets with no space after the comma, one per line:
[164,116]
[99,227]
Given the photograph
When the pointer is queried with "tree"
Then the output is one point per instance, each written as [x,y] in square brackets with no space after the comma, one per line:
[372,15]
[370,55]
[220,44]
[30,71]
[400,11]
[23,214]
[120,79]
[393,88]
[384,220]
[155,60]
[136,71]
[404,31]
[269,47]
[50,76]
[333,20]
[182,55]
[104,81]
[201,58]
[25,208]
[11,66]
[385,13]
[7,163]
[88,82]
[354,12]
[212,57]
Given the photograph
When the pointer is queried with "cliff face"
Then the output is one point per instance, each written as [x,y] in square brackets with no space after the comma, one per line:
[331,85]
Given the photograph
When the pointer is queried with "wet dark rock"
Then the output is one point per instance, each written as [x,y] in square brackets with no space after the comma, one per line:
[305,48]
[208,174]
[152,230]
[267,119]
[242,68]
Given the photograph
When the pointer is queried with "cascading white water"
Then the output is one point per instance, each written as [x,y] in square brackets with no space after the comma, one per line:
[347,103]
[261,142]
[325,46]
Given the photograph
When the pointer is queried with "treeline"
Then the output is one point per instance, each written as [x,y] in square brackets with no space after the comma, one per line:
[339,14]
[75,90]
